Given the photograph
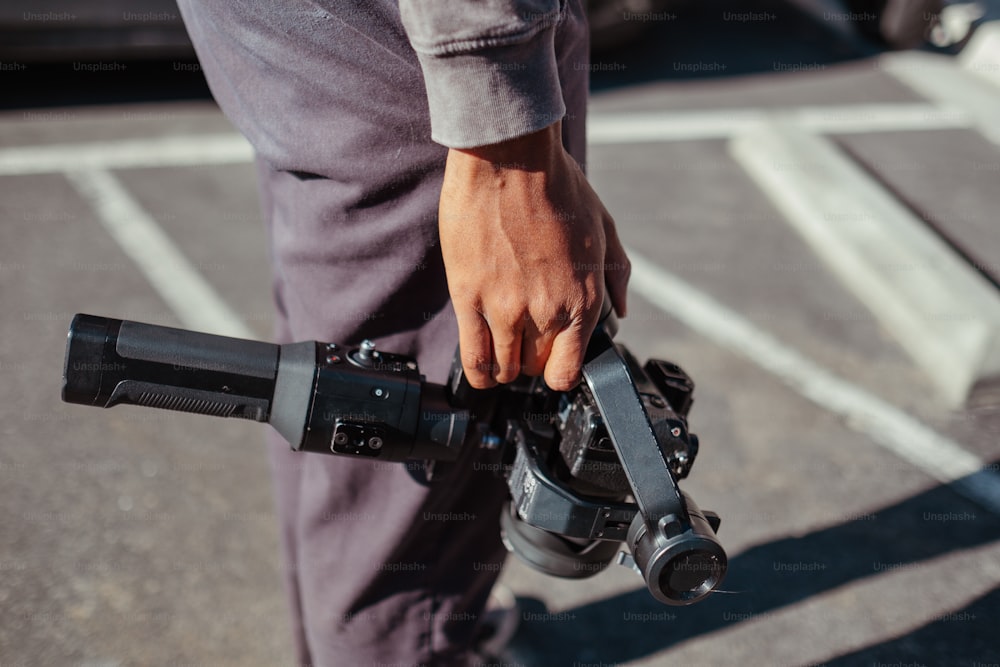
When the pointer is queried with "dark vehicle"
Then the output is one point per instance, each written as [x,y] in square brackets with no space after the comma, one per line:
[62,30]
[65,29]
[897,24]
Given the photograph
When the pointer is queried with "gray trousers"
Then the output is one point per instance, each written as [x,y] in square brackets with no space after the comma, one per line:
[381,567]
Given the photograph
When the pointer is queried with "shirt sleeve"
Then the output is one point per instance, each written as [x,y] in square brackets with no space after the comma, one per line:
[489,67]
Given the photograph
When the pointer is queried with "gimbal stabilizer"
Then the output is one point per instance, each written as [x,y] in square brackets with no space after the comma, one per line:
[587,469]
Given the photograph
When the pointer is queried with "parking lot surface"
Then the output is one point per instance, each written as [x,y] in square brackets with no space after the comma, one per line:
[860,510]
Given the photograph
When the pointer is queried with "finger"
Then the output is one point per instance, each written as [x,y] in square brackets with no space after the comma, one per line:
[562,369]
[535,349]
[475,348]
[618,268]
[506,351]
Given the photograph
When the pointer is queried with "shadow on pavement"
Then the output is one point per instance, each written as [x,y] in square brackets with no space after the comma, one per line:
[771,576]
[966,636]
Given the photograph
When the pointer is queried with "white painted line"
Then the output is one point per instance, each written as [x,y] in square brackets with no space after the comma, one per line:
[215,149]
[865,118]
[937,78]
[981,55]
[944,313]
[935,454]
[627,128]
[161,152]
[187,293]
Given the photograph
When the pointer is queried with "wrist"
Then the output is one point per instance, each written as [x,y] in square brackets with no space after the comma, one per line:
[531,152]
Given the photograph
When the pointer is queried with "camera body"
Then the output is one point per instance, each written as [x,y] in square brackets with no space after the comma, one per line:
[572,503]
[587,469]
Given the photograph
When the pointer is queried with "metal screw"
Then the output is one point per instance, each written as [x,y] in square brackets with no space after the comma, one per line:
[340,438]
[375,442]
[331,346]
[378,392]
[365,352]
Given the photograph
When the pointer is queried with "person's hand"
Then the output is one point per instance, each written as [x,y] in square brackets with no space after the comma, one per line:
[528,250]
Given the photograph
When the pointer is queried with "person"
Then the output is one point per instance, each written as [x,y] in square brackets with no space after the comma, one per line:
[419,175]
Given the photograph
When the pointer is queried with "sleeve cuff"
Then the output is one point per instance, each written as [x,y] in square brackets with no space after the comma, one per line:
[493,94]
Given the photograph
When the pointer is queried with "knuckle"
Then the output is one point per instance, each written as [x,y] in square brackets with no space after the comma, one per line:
[561,382]
[476,364]
[504,340]
[506,318]
[562,376]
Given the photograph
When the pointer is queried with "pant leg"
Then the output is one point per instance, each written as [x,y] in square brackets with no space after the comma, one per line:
[384,568]
[381,568]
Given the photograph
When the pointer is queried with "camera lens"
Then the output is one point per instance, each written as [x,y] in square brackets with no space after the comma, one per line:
[690,576]
[680,567]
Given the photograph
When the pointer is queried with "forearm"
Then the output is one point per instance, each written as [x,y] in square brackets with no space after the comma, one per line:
[524,238]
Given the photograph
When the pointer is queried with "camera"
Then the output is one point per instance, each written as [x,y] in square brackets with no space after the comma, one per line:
[587,469]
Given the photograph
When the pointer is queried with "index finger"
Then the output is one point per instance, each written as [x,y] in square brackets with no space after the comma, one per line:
[562,370]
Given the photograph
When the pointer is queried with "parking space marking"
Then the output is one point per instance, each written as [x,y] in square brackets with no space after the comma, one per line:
[232,148]
[173,151]
[938,79]
[625,128]
[199,307]
[981,56]
[937,455]
[166,268]
[942,311]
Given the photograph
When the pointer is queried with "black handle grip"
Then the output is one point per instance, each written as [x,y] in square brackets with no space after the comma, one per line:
[111,361]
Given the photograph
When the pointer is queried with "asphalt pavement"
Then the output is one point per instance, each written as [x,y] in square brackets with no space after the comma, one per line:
[860,511]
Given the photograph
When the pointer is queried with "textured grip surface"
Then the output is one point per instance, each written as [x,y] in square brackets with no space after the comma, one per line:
[111,362]
[186,404]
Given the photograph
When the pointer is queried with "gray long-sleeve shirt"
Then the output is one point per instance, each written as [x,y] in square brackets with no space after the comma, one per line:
[324,86]
[490,67]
